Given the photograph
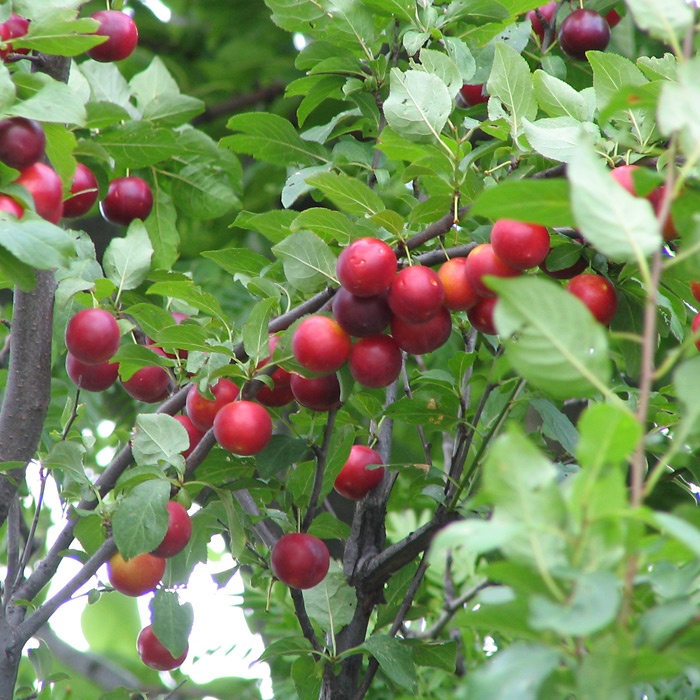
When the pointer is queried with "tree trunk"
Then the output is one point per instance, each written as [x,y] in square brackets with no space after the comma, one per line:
[24,408]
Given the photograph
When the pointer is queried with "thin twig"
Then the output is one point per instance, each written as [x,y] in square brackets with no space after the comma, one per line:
[41,615]
[321,461]
[307,628]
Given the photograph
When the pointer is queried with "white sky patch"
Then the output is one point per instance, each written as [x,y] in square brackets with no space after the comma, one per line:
[299,41]
[159,9]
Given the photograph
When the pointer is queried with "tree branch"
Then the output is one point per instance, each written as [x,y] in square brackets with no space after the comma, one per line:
[377,570]
[33,623]
[307,628]
[93,666]
[399,619]
[321,460]
[239,102]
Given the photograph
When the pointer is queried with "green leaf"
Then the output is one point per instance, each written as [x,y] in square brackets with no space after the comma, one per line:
[342,439]
[68,457]
[621,226]
[605,671]
[612,73]
[189,336]
[347,193]
[558,99]
[660,624]
[132,357]
[515,672]
[300,482]
[297,186]
[544,202]
[161,225]
[108,86]
[556,425]
[459,52]
[425,410]
[238,261]
[434,654]
[331,604]
[159,99]
[328,527]
[202,190]
[676,99]
[36,242]
[159,438]
[418,105]
[15,273]
[551,338]
[443,67]
[127,260]
[139,144]
[281,452]
[309,263]
[256,337]
[308,677]
[328,224]
[274,225]
[609,435]
[172,621]
[667,20]
[686,380]
[58,33]
[394,658]
[47,100]
[593,605]
[655,67]
[402,9]
[510,83]
[287,646]
[140,521]
[272,139]
[60,149]
[679,529]
[521,483]
[474,536]
[190,294]
[559,137]
[399,148]
[7,89]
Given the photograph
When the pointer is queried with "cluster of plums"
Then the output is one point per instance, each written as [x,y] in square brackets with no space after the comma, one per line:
[142,574]
[582,30]
[22,147]
[23,142]
[92,338]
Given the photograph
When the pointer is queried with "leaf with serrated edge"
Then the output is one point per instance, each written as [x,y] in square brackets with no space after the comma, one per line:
[158,438]
[510,82]
[551,338]
[255,333]
[308,262]
[172,621]
[347,193]
[127,260]
[619,225]
[418,105]
[141,518]
[667,20]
